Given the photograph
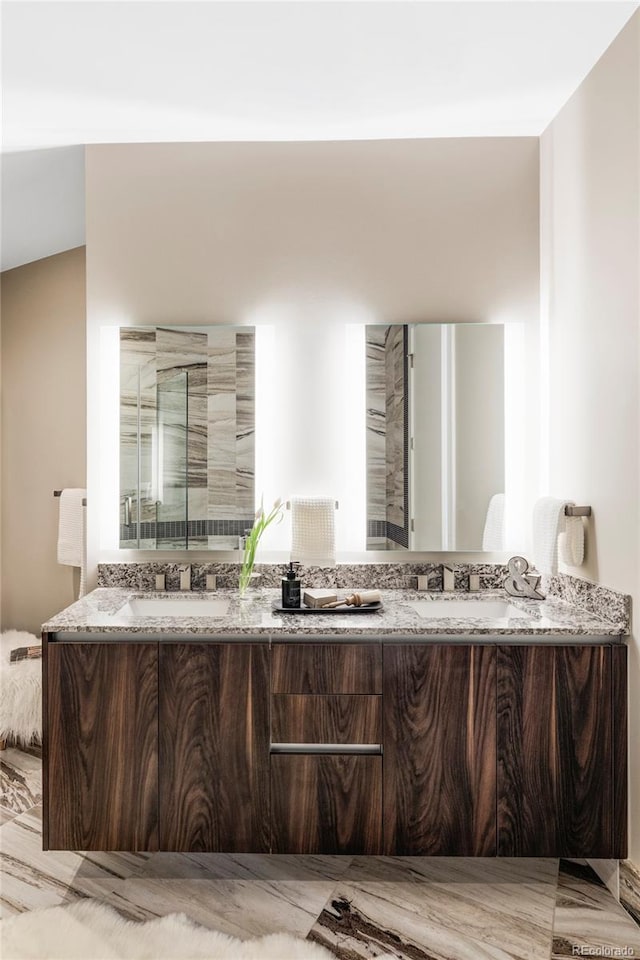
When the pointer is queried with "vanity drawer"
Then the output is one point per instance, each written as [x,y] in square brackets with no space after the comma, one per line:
[326,668]
[333,718]
[326,804]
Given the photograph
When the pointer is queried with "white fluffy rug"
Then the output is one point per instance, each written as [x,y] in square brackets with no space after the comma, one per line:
[20,690]
[88,930]
[12,639]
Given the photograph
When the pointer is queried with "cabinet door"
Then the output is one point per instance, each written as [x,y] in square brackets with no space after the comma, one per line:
[326,803]
[439,750]
[555,757]
[102,746]
[214,747]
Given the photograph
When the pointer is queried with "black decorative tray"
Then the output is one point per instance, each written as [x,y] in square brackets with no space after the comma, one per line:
[366,608]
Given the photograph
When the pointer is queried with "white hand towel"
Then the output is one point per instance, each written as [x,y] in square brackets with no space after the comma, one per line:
[71,532]
[493,536]
[571,542]
[313,537]
[548,524]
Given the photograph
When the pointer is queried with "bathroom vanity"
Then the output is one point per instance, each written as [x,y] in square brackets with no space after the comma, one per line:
[391,732]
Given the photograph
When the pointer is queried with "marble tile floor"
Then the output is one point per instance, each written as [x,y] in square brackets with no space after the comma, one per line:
[587,916]
[630,889]
[358,907]
[20,783]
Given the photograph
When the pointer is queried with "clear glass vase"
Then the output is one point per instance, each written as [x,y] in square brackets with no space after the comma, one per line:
[247,585]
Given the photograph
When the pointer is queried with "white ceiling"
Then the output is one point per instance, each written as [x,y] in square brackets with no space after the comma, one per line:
[91,72]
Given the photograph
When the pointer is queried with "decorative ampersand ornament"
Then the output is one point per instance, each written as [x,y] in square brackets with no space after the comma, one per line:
[519,583]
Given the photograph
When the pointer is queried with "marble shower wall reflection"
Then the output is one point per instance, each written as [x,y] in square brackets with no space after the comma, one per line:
[387,437]
[187,436]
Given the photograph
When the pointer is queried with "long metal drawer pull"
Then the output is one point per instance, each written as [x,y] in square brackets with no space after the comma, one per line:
[363,748]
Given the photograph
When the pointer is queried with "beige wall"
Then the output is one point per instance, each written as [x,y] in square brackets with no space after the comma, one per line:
[411,229]
[590,205]
[373,232]
[1,448]
[43,429]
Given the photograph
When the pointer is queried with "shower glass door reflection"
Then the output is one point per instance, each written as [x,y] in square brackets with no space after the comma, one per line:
[169,463]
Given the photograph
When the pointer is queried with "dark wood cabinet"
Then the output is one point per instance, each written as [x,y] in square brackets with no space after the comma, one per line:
[439,750]
[327,803]
[421,749]
[214,747]
[341,718]
[101,746]
[326,668]
[561,743]
[326,764]
[620,766]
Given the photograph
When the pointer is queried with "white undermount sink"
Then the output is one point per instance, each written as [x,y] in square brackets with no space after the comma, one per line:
[461,609]
[174,607]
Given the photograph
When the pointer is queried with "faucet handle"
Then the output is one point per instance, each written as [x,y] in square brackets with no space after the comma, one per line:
[448,577]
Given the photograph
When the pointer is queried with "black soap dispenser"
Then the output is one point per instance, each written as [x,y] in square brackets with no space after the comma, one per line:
[290,589]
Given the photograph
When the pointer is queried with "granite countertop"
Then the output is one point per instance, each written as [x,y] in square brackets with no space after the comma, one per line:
[99,614]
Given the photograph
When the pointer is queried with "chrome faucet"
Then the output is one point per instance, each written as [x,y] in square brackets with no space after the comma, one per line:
[185,577]
[448,578]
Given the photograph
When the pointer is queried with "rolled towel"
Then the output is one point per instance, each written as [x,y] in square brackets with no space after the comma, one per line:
[493,536]
[313,536]
[571,542]
[548,523]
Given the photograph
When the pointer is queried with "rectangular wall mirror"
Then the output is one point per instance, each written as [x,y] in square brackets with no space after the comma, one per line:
[435,456]
[187,436]
[435,437]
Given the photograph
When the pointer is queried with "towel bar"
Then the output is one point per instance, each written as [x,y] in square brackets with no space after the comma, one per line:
[58,493]
[577,511]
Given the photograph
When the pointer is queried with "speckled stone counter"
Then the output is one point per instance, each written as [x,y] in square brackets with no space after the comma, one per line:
[99,614]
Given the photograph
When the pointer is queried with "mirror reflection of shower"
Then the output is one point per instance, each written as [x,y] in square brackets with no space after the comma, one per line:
[187,436]
[168,488]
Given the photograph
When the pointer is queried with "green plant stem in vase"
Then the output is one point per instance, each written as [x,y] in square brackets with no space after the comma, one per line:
[260,524]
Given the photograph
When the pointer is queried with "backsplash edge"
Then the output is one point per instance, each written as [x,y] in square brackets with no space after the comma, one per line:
[610,605]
